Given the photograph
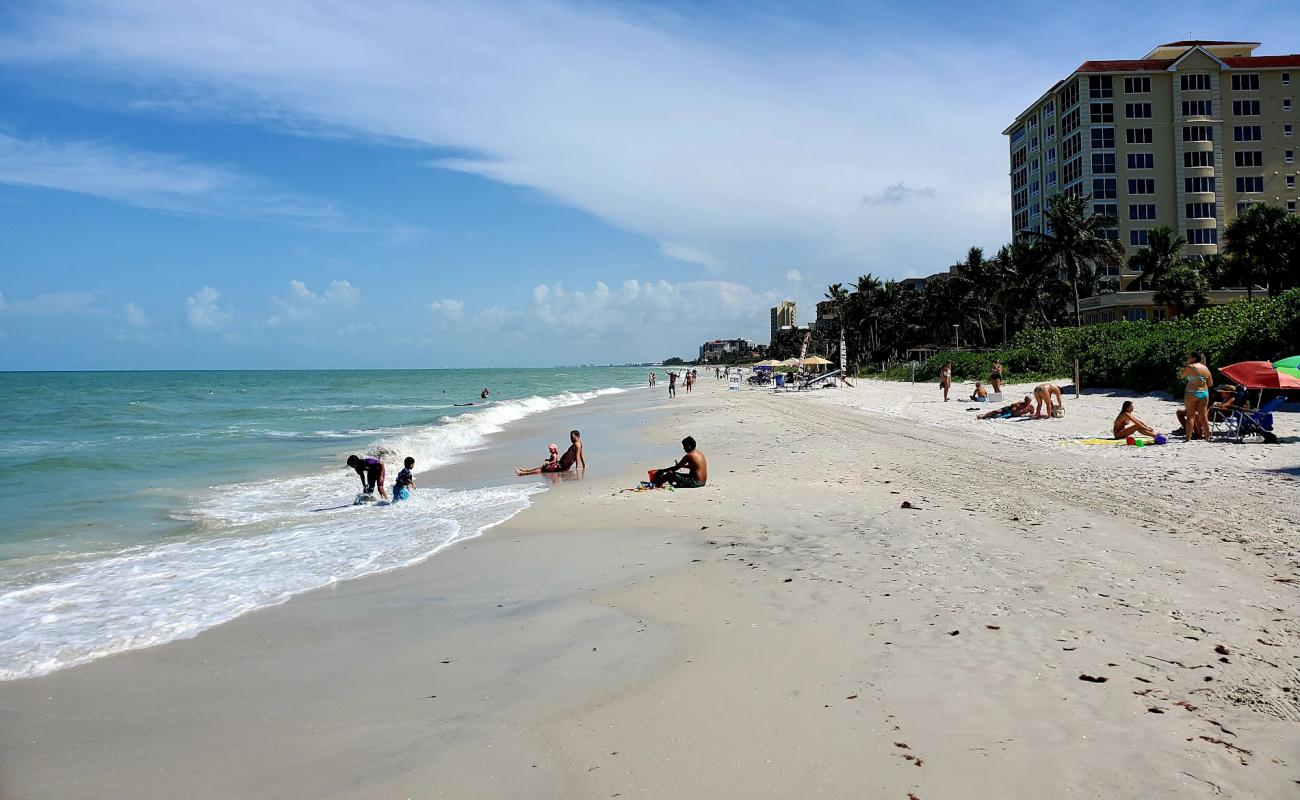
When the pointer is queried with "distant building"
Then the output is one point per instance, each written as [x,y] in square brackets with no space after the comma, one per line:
[718,349]
[1186,137]
[918,284]
[826,319]
[1138,306]
[783,316]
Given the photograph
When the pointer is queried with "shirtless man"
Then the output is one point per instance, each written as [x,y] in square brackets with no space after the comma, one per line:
[1044,394]
[573,455]
[695,464]
[1020,409]
[672,385]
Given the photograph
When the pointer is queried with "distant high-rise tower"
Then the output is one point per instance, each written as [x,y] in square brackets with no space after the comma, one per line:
[783,316]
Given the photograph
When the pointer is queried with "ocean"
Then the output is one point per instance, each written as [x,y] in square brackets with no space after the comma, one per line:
[141,507]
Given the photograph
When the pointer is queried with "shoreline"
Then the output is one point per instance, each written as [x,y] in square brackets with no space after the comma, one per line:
[773,634]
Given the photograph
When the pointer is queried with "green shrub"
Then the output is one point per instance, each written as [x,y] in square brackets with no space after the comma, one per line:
[1143,356]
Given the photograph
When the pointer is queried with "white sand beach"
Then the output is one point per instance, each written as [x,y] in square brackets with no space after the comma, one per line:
[1044,620]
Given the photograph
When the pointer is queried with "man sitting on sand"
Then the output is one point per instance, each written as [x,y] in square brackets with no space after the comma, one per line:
[696,466]
[1044,395]
[565,463]
[980,395]
[1126,424]
[1020,409]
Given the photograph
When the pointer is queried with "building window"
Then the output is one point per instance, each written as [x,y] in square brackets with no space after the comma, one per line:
[1286,79]
[1157,314]
[1106,209]
[1108,233]
[1246,133]
[1141,161]
[1101,112]
[1137,86]
[1051,155]
[1201,211]
[1034,209]
[1290,206]
[1135,314]
[1051,132]
[1103,188]
[1033,165]
[1250,184]
[1033,187]
[1198,133]
[1141,185]
[1241,207]
[1286,130]
[1103,163]
[1069,121]
[1198,185]
[1137,110]
[1100,86]
[1071,147]
[1290,181]
[1197,108]
[1286,104]
[1033,143]
[1072,171]
[1051,178]
[1289,157]
[1198,158]
[1103,138]
[1248,158]
[1244,108]
[1202,236]
[1141,211]
[1138,237]
[1049,109]
[1245,83]
[1138,136]
[1195,82]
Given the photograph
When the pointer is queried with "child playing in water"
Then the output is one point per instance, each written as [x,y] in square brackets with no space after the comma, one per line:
[405,481]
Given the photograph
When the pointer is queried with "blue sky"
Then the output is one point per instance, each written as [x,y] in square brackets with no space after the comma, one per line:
[317,184]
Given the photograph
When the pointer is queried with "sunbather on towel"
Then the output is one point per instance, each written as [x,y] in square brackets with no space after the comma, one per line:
[1126,424]
[1022,409]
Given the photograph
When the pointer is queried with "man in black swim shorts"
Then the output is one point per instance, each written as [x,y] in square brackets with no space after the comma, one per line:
[695,464]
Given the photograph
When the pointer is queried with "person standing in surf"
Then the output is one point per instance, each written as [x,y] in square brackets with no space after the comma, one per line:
[371,471]
[405,481]
[672,385]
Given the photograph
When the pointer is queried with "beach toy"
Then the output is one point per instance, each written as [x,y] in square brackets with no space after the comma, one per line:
[1161,439]
[1129,440]
[1140,442]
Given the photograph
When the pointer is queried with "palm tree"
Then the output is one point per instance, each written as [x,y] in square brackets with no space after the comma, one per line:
[984,280]
[1182,286]
[1077,240]
[1034,284]
[1163,252]
[839,297]
[1260,242]
[863,309]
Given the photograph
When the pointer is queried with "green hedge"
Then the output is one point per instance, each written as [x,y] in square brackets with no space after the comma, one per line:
[1143,356]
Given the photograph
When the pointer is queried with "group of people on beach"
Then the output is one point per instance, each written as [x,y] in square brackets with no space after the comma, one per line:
[371,471]
[687,377]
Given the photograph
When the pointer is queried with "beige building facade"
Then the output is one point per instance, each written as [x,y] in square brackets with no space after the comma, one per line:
[783,316]
[1186,137]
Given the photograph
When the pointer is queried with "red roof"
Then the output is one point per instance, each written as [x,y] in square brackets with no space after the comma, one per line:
[1194,42]
[1137,65]
[1246,62]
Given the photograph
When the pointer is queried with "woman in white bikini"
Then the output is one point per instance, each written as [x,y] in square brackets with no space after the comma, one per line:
[945,379]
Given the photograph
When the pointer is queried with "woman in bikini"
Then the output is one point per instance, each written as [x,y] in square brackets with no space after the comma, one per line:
[945,379]
[995,377]
[1196,398]
[1126,424]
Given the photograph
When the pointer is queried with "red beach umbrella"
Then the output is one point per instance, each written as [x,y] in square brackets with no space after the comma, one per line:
[1259,375]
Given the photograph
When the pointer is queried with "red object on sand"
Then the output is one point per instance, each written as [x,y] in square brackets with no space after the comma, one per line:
[1259,375]
[650,475]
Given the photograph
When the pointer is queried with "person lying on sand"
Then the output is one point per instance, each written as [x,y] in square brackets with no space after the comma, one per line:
[573,455]
[980,395]
[1049,395]
[695,464]
[1126,424]
[1020,409]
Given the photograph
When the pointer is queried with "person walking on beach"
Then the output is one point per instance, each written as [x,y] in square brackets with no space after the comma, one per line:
[945,379]
[695,464]
[573,455]
[672,385]
[371,471]
[1196,398]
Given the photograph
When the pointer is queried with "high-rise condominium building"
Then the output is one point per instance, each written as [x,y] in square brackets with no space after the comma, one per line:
[1185,137]
[783,316]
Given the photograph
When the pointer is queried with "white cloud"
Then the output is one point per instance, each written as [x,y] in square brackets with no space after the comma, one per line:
[767,132]
[203,312]
[793,277]
[135,317]
[448,308]
[301,305]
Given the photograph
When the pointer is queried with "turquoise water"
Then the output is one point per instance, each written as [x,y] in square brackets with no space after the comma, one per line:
[138,507]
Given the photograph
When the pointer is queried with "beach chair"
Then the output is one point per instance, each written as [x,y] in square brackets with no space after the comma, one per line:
[1257,423]
[1226,424]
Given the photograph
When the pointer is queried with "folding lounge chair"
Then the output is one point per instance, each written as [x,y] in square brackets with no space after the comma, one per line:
[1259,422]
[1226,424]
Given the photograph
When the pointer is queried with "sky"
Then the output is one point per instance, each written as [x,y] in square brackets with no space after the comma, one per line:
[220,184]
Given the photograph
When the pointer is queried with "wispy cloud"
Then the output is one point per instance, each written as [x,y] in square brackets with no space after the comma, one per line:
[52,304]
[688,254]
[151,180]
[670,126]
[134,316]
[301,305]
